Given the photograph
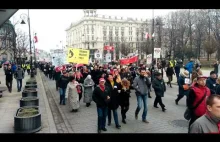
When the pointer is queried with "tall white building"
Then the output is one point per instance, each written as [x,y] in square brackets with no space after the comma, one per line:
[95,31]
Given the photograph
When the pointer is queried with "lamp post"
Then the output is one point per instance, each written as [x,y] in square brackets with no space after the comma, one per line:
[23,22]
[152,46]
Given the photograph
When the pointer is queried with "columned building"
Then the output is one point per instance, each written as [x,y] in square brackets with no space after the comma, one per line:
[95,31]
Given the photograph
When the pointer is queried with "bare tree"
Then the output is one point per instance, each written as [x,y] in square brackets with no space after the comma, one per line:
[210,45]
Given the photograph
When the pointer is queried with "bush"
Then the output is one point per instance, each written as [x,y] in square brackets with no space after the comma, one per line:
[27,112]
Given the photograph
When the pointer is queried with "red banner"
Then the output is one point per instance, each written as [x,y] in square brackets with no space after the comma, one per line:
[129,60]
[111,48]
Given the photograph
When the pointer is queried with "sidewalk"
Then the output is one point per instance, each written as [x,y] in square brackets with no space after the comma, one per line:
[10,102]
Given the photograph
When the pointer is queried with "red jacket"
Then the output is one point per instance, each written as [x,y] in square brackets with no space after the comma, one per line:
[199,93]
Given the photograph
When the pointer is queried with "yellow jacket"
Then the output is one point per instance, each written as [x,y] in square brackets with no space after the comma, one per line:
[28,66]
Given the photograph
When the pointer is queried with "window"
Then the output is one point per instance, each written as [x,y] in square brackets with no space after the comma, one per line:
[87,37]
[110,28]
[93,45]
[131,38]
[92,37]
[122,33]
[92,31]
[104,38]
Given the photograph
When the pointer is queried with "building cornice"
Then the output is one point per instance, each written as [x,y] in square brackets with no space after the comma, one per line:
[102,19]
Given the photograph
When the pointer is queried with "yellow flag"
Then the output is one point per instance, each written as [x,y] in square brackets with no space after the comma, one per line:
[78,56]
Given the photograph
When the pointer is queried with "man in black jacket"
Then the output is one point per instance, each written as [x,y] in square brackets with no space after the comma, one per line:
[62,85]
[159,88]
[9,77]
[101,97]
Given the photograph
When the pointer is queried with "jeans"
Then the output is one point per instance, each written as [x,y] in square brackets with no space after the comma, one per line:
[115,115]
[102,114]
[62,95]
[19,84]
[141,98]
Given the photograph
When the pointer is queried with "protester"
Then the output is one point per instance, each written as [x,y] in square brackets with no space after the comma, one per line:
[88,89]
[57,78]
[124,98]
[113,105]
[209,122]
[19,75]
[217,88]
[101,97]
[72,95]
[159,88]
[189,67]
[211,82]
[184,84]
[62,85]
[170,73]
[9,77]
[141,87]
[196,98]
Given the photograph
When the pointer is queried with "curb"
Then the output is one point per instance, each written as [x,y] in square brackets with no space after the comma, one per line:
[68,126]
[52,125]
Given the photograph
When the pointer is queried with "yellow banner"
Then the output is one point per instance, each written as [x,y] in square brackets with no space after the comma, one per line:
[78,56]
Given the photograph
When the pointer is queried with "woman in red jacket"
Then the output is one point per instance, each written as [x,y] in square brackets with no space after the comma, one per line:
[197,94]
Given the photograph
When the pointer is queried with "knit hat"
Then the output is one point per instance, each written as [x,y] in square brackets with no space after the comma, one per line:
[101,79]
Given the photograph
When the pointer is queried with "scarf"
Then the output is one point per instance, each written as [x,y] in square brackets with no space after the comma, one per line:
[102,87]
[78,88]
[215,119]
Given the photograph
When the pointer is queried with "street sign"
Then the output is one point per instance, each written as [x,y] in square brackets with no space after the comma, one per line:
[149,58]
[108,57]
[98,55]
[157,52]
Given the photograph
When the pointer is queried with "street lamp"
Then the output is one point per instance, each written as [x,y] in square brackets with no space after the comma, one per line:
[23,22]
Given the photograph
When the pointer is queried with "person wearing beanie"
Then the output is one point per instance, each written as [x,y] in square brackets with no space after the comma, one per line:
[184,84]
[211,82]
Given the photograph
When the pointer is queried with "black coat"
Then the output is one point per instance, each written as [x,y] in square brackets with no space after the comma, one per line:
[100,97]
[211,83]
[96,74]
[63,81]
[114,95]
[159,87]
[181,82]
[8,75]
[124,98]
[169,71]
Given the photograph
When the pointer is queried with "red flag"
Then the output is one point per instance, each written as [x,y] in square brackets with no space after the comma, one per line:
[111,48]
[129,60]
[35,38]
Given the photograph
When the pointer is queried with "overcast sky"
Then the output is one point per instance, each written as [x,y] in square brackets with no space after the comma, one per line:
[50,24]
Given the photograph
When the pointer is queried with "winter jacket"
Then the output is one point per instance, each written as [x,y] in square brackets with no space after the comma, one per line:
[114,95]
[159,87]
[63,81]
[19,74]
[8,75]
[57,75]
[195,95]
[189,66]
[181,82]
[88,90]
[177,69]
[72,96]
[205,124]
[141,85]
[14,68]
[217,89]
[96,74]
[169,71]
[124,96]
[100,97]
[211,84]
